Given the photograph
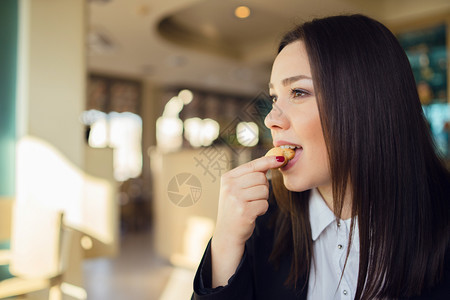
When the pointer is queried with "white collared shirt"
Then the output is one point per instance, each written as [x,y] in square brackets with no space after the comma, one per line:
[330,242]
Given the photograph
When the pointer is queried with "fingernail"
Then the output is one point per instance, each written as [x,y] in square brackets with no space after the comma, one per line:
[280,158]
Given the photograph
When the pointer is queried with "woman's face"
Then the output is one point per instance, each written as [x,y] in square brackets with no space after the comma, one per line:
[294,120]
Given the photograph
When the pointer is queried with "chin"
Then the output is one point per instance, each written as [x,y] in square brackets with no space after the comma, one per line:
[294,185]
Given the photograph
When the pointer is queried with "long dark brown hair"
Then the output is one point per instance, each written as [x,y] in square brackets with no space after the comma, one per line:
[380,149]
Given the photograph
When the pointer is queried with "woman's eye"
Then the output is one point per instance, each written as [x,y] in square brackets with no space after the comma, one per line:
[299,93]
[273,99]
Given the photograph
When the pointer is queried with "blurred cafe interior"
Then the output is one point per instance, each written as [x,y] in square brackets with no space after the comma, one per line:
[118,118]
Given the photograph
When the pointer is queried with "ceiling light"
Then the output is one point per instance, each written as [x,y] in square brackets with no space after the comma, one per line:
[242,12]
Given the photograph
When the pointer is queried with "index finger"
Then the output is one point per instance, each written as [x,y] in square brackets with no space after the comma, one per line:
[262,164]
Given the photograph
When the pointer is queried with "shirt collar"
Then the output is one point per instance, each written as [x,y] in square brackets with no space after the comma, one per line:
[320,215]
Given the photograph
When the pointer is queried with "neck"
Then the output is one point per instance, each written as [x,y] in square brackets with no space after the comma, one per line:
[327,195]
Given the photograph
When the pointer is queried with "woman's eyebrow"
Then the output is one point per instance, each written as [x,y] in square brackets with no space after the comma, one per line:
[289,80]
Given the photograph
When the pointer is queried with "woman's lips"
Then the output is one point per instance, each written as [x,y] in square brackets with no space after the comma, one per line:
[289,165]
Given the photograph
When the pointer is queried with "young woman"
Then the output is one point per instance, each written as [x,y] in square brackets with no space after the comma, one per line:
[362,210]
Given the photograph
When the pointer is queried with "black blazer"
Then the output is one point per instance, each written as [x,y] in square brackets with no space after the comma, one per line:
[258,279]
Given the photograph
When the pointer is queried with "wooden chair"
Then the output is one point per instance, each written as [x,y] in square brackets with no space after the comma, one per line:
[40,244]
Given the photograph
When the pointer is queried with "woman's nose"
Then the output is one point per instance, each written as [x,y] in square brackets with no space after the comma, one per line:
[276,119]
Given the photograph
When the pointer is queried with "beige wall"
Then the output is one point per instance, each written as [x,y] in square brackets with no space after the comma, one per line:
[170,220]
[52,74]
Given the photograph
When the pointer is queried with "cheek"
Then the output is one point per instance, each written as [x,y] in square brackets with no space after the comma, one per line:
[310,129]
[318,139]
[312,169]
[319,166]
[316,144]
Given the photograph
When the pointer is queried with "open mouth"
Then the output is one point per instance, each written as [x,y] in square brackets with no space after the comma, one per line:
[298,150]
[289,147]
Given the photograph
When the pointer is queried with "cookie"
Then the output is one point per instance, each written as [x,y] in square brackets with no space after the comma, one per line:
[286,152]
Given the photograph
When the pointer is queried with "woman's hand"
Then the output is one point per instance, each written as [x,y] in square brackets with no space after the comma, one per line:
[243,197]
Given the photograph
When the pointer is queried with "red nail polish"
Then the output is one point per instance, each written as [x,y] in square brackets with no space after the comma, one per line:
[280,158]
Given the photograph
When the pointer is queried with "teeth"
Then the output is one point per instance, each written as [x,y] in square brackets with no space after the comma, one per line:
[288,147]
